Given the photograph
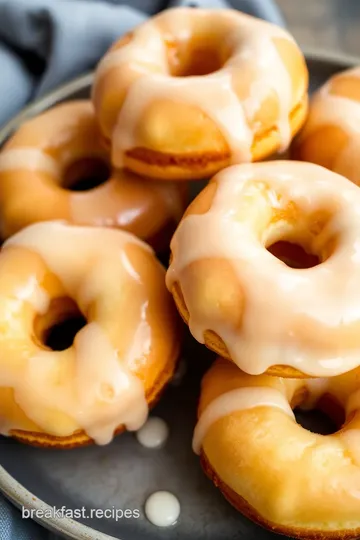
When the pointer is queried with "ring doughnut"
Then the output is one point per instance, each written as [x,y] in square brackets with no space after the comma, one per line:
[48,153]
[192,90]
[118,363]
[274,471]
[331,135]
[242,300]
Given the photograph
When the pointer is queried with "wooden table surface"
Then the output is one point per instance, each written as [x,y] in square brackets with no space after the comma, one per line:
[331,25]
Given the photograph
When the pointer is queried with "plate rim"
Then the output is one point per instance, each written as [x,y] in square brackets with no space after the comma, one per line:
[9,486]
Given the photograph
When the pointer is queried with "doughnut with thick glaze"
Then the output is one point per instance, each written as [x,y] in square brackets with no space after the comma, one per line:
[51,151]
[331,135]
[119,361]
[243,301]
[192,90]
[274,471]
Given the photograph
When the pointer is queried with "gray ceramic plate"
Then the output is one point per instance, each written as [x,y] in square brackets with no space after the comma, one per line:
[124,473]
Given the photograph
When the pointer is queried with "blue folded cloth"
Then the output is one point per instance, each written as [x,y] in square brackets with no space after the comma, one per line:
[44,43]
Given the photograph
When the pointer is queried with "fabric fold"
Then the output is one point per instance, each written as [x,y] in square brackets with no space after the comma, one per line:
[66,38]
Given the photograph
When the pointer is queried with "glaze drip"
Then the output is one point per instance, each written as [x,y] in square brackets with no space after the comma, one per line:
[29,158]
[62,147]
[91,383]
[238,400]
[252,44]
[291,316]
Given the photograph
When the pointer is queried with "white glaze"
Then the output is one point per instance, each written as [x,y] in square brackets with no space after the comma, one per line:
[69,132]
[29,158]
[33,293]
[238,400]
[98,392]
[154,433]
[253,51]
[215,88]
[162,509]
[283,306]
[119,202]
[149,47]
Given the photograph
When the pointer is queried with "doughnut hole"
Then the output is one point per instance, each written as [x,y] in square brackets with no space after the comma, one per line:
[203,52]
[293,255]
[85,174]
[57,328]
[325,417]
[256,452]
[298,239]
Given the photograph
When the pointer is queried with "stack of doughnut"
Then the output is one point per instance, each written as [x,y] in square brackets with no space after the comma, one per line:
[265,270]
[264,263]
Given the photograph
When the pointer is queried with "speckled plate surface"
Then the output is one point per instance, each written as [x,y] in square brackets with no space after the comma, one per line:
[122,474]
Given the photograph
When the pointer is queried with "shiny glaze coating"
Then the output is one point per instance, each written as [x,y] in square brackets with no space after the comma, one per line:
[61,145]
[119,361]
[248,305]
[191,91]
[274,471]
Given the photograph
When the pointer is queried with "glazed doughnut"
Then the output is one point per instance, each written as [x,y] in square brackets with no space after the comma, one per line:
[119,361]
[331,135]
[191,91]
[271,469]
[237,295]
[50,151]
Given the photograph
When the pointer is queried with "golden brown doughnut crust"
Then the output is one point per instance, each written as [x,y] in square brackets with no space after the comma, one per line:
[248,511]
[225,238]
[198,166]
[80,438]
[29,324]
[276,473]
[69,136]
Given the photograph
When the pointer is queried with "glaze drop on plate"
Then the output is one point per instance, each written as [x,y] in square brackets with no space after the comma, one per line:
[162,509]
[154,433]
